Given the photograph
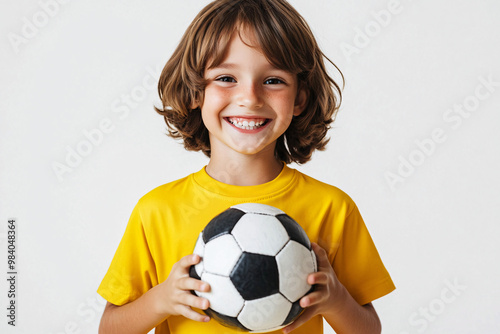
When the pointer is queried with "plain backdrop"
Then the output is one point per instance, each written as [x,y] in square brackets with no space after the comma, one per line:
[415,144]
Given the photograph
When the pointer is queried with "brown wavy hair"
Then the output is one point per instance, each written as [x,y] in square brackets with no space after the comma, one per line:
[286,41]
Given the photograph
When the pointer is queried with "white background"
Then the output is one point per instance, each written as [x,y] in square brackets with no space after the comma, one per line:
[68,72]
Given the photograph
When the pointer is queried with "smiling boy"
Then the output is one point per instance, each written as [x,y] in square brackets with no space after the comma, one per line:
[248,87]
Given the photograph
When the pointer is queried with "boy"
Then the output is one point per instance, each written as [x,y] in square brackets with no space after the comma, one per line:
[247,86]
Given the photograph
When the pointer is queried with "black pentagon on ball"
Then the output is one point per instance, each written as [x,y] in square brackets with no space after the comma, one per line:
[255,276]
[225,320]
[294,313]
[222,224]
[294,230]
[193,273]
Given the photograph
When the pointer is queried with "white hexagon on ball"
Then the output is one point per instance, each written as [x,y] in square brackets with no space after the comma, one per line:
[295,263]
[221,255]
[223,296]
[260,234]
[265,314]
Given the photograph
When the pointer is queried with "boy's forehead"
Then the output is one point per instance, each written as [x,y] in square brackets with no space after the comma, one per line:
[238,37]
[245,35]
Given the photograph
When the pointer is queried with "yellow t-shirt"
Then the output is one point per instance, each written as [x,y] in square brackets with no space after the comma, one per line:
[166,222]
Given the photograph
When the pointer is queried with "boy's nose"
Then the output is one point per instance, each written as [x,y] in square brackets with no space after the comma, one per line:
[249,96]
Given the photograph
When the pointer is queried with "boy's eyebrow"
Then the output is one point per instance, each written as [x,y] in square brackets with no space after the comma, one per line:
[226,66]
[229,66]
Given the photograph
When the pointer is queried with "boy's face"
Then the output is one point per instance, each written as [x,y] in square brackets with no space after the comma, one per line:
[248,102]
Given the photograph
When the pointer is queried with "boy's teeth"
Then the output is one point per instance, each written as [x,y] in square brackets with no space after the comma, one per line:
[246,124]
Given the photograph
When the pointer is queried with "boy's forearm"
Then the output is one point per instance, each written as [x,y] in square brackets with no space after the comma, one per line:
[349,317]
[137,317]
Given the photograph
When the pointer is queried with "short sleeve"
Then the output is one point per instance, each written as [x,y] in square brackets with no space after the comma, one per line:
[357,262]
[132,271]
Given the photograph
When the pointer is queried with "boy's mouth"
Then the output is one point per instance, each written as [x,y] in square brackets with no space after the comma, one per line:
[247,123]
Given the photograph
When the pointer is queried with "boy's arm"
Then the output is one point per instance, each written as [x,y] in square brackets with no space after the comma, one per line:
[332,300]
[135,317]
[172,297]
[355,319]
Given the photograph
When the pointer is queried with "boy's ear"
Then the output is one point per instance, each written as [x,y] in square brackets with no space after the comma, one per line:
[300,101]
[195,104]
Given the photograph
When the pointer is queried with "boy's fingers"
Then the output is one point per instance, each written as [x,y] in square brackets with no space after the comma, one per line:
[194,301]
[313,298]
[321,255]
[188,283]
[317,278]
[189,260]
[187,312]
[182,266]
[317,248]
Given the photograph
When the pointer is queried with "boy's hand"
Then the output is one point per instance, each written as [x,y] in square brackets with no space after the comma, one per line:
[323,298]
[175,291]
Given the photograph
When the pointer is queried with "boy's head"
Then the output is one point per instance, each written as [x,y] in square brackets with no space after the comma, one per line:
[285,40]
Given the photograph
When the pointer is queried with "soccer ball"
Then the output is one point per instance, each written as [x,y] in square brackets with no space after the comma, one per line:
[256,260]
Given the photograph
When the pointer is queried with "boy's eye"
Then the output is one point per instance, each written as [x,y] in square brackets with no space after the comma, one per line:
[273,81]
[225,79]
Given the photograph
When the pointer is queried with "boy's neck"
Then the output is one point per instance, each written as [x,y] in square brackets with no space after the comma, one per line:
[244,170]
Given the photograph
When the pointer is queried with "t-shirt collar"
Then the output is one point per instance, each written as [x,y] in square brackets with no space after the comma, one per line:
[282,182]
